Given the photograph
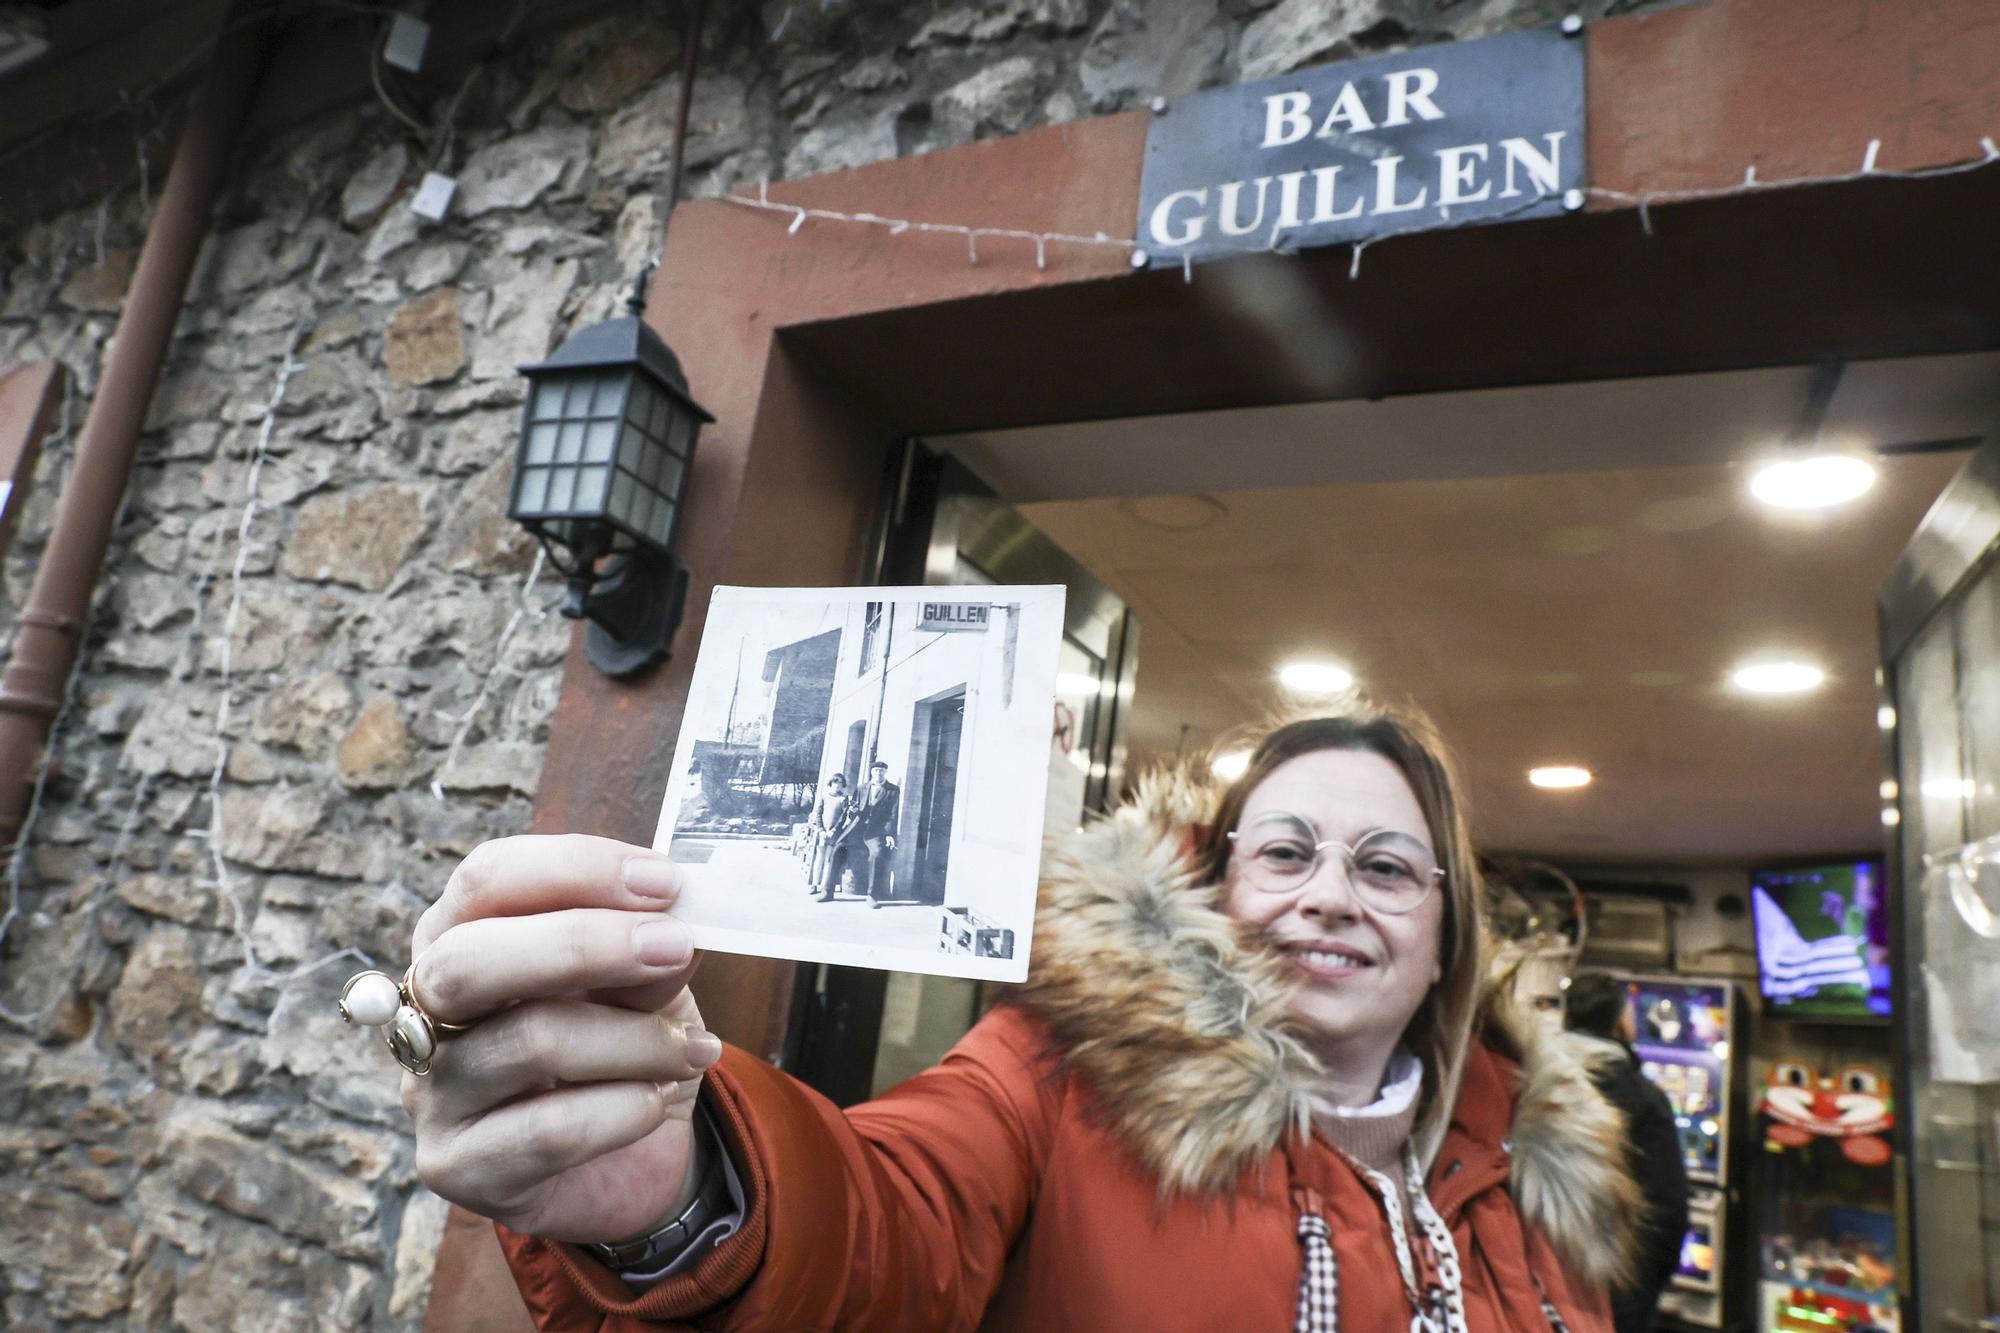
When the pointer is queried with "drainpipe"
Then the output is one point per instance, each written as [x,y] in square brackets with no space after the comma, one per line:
[45,642]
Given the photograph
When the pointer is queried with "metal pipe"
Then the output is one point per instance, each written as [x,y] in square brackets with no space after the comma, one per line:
[45,643]
[690,50]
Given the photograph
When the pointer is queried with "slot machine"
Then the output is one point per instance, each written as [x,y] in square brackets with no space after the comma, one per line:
[1687,1037]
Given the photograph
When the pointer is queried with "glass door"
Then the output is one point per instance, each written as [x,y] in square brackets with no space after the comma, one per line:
[855,1031]
[1941,651]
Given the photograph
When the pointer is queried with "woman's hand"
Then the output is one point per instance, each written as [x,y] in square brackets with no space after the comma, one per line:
[566,1110]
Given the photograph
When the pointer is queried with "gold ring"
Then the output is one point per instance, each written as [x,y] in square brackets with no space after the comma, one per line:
[409,988]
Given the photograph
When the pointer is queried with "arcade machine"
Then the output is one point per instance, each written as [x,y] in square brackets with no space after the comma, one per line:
[1687,1036]
[1826,1192]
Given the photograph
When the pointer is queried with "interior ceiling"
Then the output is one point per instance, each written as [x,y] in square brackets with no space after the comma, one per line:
[1562,574]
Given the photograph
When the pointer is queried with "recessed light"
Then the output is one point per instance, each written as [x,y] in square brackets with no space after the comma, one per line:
[1885,717]
[1173,513]
[1819,481]
[1315,677]
[1559,777]
[1889,789]
[1230,766]
[1891,816]
[1777,677]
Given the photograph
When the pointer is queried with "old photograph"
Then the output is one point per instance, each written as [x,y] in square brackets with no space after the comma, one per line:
[860,776]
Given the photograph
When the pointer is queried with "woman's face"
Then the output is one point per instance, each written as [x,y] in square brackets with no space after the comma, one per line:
[1365,972]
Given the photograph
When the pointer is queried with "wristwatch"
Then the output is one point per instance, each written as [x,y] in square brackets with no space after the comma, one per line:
[655,1249]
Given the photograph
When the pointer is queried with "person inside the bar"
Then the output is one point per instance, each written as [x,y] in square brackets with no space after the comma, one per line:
[1595,1005]
[1259,1078]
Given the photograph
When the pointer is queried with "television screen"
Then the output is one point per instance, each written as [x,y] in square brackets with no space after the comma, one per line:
[1697,1257]
[1822,941]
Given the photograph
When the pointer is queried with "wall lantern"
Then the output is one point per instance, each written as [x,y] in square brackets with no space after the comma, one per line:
[607,437]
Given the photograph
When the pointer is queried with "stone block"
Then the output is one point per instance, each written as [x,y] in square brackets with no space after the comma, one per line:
[74,1251]
[176,897]
[1153,48]
[1304,32]
[370,190]
[417,1238]
[377,920]
[175,734]
[157,1003]
[425,341]
[521,322]
[213,1163]
[836,145]
[494,766]
[998,99]
[360,538]
[994,20]
[272,828]
[235,1288]
[305,713]
[376,751]
[477,537]
[435,264]
[638,54]
[515,172]
[100,286]
[635,144]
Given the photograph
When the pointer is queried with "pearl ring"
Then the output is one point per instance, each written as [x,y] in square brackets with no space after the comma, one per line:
[377,1000]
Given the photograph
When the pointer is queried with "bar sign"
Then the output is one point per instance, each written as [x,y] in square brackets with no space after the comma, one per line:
[954,617]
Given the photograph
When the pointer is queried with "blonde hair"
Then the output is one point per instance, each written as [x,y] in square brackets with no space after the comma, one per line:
[1442,1029]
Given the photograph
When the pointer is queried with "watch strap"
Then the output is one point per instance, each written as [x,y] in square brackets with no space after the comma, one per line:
[655,1248]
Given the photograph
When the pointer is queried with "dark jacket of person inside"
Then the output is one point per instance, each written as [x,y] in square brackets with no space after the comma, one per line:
[1595,1005]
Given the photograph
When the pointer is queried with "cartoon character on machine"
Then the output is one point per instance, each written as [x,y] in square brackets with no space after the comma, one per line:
[1852,1106]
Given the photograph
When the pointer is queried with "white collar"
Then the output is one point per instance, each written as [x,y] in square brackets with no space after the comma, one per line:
[1401,1082]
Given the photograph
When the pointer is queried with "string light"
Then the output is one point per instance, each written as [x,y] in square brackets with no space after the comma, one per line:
[1642,202]
[471,714]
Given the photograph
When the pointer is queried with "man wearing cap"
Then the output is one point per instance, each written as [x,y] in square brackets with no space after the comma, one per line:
[877,807]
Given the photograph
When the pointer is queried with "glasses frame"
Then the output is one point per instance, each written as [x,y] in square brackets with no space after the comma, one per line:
[1349,851]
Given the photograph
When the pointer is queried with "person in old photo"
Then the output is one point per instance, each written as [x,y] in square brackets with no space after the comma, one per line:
[876,810]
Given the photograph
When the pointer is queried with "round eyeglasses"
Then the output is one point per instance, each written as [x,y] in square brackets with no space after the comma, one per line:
[1392,873]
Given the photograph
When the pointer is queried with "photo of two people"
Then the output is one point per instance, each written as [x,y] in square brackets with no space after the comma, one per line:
[862,774]
[847,841]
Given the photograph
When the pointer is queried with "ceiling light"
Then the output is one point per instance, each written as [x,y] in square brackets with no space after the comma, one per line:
[1173,513]
[1891,816]
[1816,481]
[1315,677]
[1950,789]
[1777,677]
[1889,789]
[1885,717]
[1231,766]
[1560,777]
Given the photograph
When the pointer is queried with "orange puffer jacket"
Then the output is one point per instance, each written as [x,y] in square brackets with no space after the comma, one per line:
[1121,1149]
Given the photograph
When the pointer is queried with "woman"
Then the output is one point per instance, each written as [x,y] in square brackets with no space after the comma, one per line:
[1251,1083]
[828,813]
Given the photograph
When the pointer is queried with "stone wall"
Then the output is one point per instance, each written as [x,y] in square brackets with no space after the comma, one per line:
[317,673]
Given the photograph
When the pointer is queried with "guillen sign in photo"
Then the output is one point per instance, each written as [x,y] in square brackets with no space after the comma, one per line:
[1444,135]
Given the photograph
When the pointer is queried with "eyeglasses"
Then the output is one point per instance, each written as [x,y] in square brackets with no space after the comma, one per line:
[1392,873]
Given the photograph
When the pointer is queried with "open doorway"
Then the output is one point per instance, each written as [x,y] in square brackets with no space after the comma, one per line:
[1580,577]
[937,730]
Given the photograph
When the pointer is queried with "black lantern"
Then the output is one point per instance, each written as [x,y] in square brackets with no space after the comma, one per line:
[607,437]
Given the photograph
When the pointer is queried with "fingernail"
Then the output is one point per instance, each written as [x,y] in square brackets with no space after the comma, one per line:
[651,877]
[704,1048]
[662,943]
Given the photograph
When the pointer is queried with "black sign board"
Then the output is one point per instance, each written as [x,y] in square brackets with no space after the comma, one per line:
[1439,136]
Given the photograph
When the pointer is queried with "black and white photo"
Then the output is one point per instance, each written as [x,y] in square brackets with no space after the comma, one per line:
[861,775]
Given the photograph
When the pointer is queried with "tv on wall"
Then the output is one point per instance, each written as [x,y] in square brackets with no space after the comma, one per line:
[1823,941]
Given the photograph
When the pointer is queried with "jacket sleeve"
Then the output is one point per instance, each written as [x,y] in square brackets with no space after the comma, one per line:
[896,1214]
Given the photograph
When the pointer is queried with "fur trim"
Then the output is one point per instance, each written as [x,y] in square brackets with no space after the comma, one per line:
[1571,1178]
[1178,1021]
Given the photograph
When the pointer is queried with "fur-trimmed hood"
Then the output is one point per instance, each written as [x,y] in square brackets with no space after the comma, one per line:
[1178,1021]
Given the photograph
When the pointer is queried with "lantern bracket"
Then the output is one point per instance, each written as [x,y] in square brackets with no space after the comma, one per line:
[634,602]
